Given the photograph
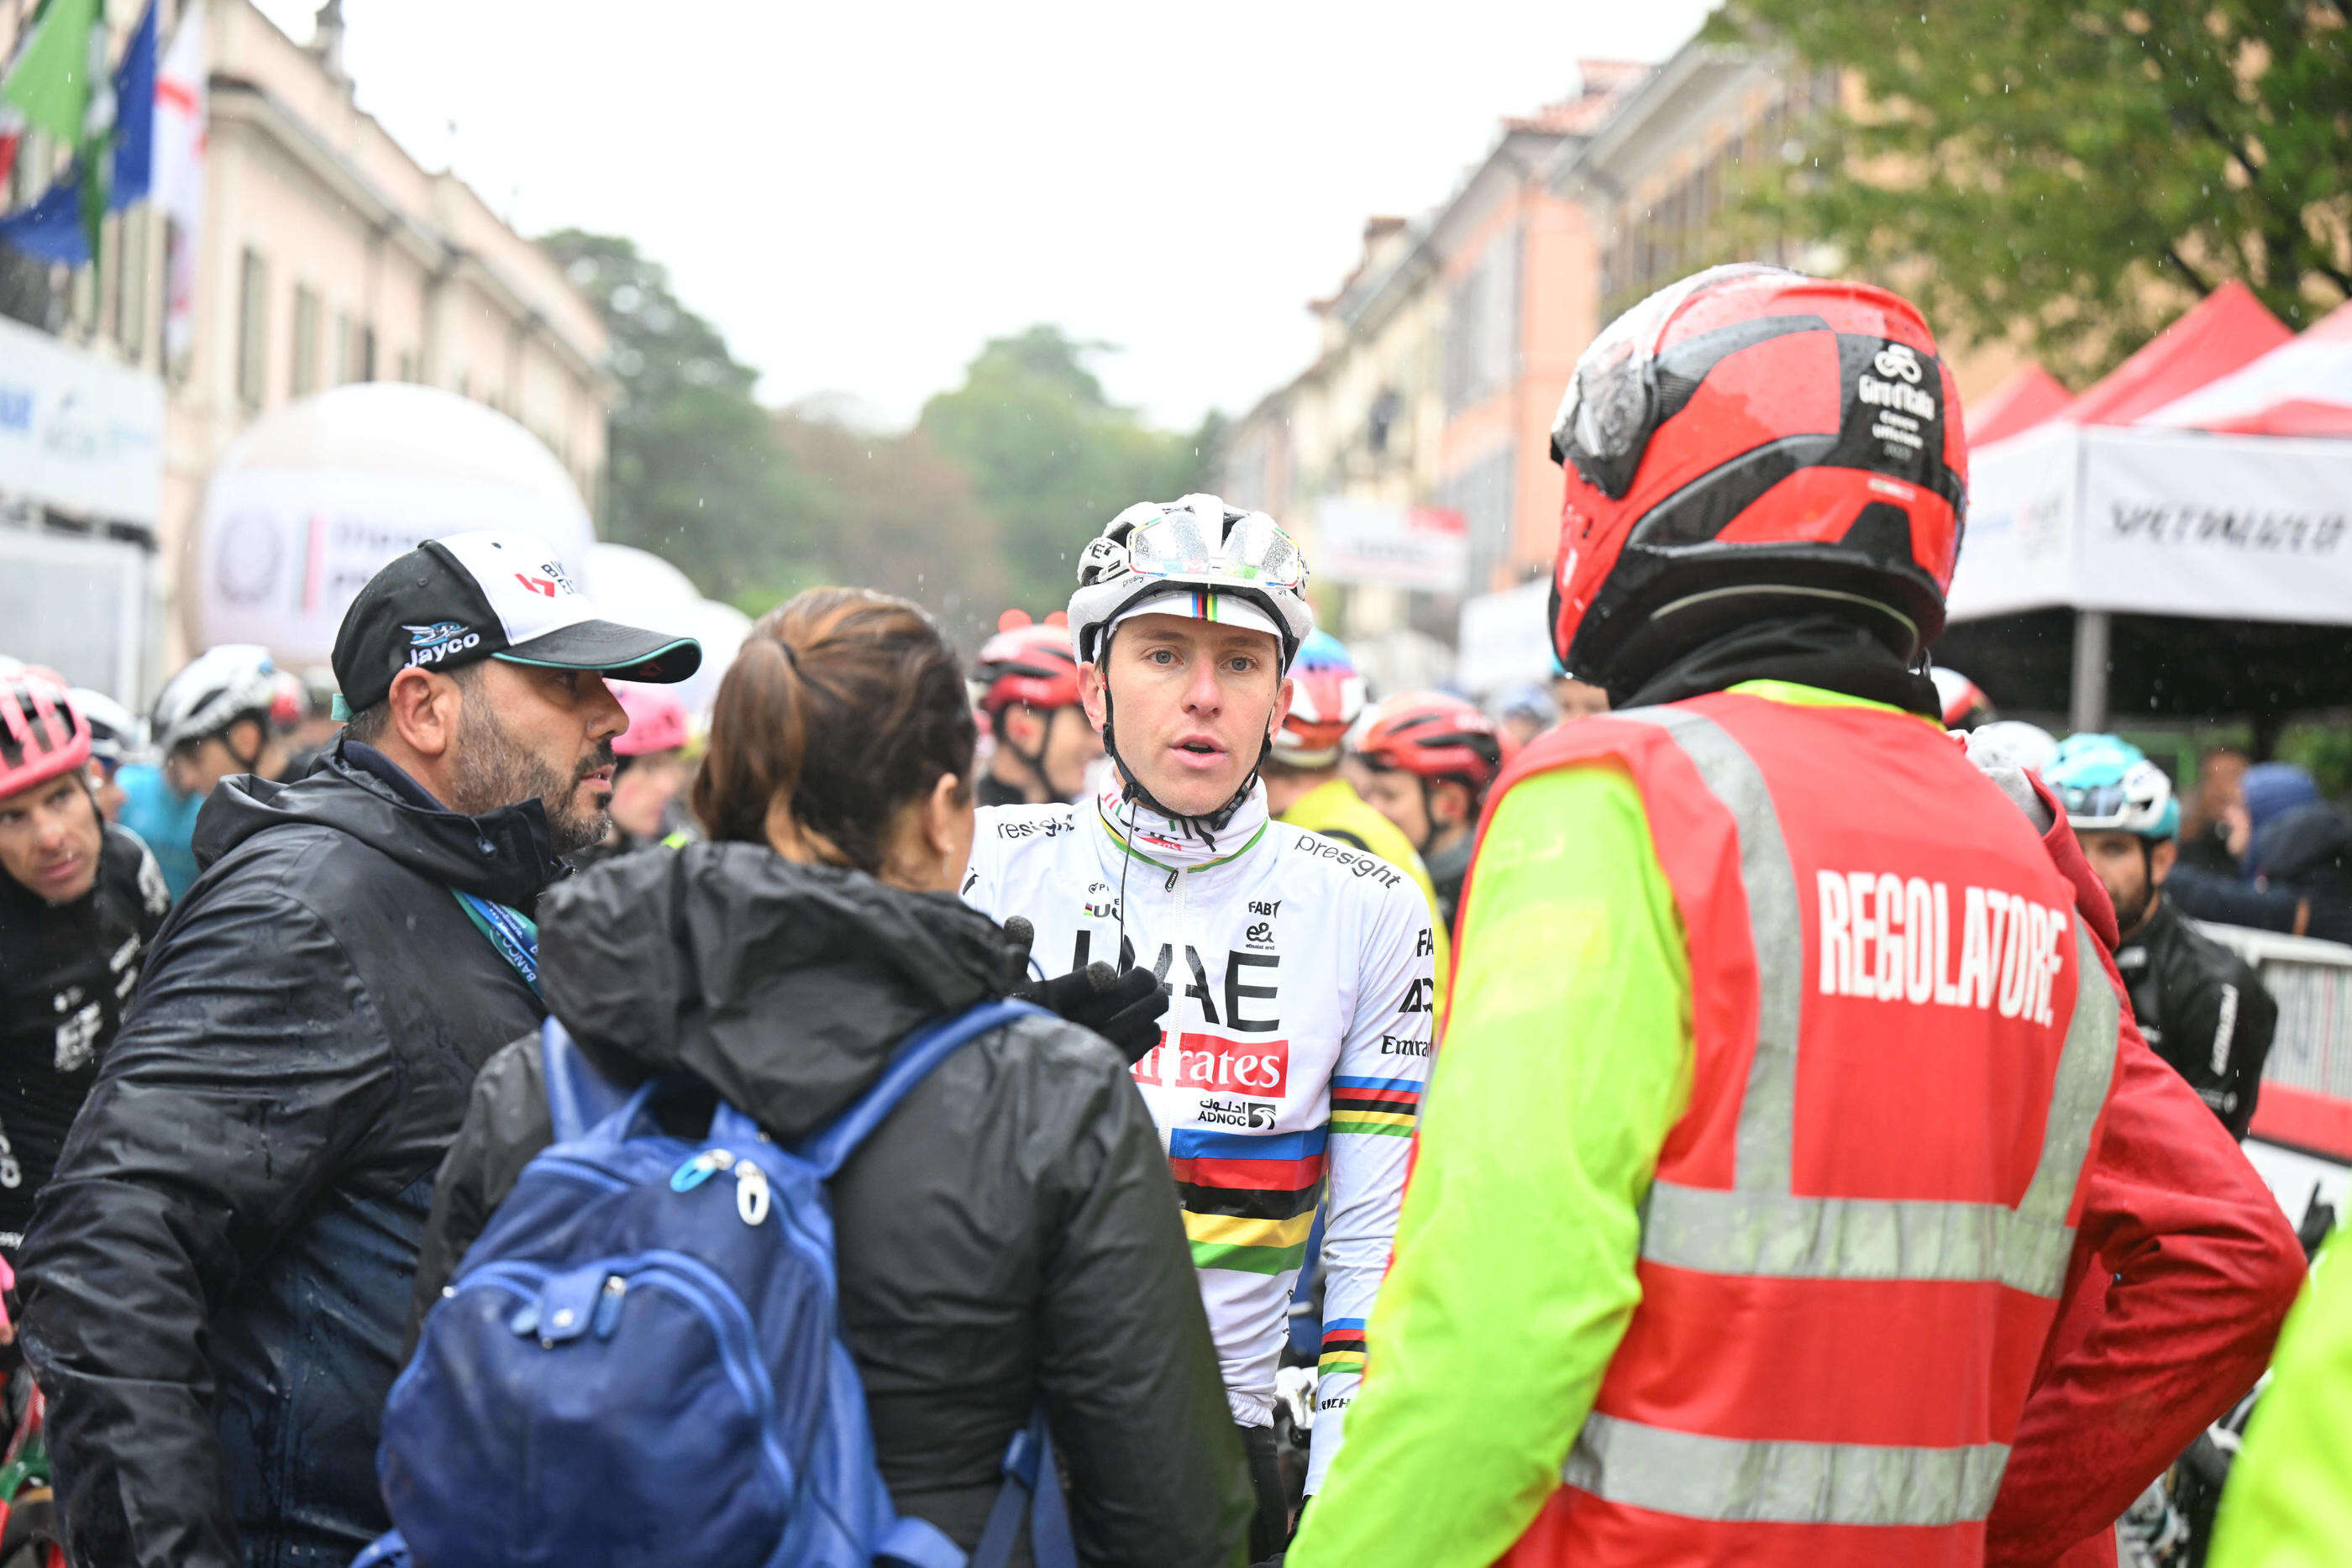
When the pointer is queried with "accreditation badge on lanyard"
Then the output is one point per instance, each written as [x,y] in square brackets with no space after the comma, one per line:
[512,933]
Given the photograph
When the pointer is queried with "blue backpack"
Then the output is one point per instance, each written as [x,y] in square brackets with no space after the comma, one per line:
[640,1359]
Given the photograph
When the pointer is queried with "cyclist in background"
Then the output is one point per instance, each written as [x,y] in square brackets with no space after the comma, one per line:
[1431,757]
[116,739]
[1304,786]
[1028,680]
[212,721]
[2200,1006]
[80,901]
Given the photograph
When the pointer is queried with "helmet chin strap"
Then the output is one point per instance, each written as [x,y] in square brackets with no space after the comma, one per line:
[1204,826]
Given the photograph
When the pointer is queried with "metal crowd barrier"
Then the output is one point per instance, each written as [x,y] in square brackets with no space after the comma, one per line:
[2311,1055]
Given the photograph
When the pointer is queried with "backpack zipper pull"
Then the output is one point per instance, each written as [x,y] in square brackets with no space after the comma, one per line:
[699,1169]
[750,1192]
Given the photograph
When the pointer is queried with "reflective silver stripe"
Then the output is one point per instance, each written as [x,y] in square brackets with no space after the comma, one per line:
[1775,1236]
[2086,1069]
[1767,1110]
[1782,1483]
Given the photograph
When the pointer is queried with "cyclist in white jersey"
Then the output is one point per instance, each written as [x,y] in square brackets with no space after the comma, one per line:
[1299,969]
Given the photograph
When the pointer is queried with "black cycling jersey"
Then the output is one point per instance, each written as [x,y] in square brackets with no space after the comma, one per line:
[70,968]
[2203,1010]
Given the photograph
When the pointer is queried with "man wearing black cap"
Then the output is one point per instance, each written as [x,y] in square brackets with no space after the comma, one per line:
[216,1279]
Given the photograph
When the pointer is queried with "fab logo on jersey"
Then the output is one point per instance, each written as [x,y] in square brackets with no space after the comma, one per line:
[1258,1067]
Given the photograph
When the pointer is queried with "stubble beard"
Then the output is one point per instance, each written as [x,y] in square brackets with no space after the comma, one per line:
[493,770]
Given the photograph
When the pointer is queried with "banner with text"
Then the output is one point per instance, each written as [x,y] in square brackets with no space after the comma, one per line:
[1423,548]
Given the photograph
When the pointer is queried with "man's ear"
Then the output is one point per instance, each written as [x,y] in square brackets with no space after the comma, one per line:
[425,707]
[1454,798]
[1094,693]
[1281,706]
[2160,862]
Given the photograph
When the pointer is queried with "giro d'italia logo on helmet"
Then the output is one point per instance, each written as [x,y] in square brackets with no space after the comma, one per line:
[1898,360]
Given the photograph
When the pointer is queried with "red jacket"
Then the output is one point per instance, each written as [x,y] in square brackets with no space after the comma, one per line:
[2197,1266]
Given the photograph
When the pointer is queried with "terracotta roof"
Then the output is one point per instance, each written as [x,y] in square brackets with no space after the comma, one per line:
[1603,81]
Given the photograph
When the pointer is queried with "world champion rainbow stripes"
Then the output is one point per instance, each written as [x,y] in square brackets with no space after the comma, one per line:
[1343,1347]
[1387,1106]
[1249,1201]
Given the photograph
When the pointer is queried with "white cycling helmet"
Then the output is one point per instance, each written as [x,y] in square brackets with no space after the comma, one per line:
[220,686]
[1198,544]
[116,735]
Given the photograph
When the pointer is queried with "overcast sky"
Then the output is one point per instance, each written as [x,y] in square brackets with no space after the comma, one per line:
[860,195]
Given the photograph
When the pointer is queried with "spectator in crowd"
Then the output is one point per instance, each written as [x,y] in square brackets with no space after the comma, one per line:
[212,720]
[1577,699]
[80,900]
[2213,831]
[2271,790]
[1431,757]
[1010,1234]
[216,1281]
[2306,853]
[1523,713]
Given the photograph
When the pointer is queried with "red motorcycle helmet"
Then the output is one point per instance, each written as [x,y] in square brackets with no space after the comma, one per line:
[1750,434]
[1027,663]
[1435,736]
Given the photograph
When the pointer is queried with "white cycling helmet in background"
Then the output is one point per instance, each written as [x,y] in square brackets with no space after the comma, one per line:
[1197,545]
[116,736]
[221,685]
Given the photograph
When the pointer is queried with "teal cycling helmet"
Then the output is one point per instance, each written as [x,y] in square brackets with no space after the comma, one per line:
[2108,785]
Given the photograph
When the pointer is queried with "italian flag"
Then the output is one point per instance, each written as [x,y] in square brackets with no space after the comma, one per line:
[58,78]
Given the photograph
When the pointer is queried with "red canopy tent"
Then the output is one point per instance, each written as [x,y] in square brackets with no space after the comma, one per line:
[2018,403]
[2303,388]
[2226,329]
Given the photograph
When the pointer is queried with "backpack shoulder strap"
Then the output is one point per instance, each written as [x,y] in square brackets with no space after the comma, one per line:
[578,1097]
[923,1049]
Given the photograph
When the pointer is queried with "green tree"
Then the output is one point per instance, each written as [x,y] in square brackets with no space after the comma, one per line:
[899,516]
[2041,170]
[694,471]
[1050,457]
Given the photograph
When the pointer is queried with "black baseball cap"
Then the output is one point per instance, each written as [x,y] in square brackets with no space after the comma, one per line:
[487,595]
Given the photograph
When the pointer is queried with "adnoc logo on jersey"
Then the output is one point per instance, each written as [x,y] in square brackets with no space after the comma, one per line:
[1260,1066]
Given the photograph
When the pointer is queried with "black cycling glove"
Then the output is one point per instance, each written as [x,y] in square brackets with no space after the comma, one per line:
[1123,1006]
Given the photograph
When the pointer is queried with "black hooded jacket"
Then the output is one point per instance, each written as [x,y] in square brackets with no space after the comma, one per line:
[1010,1234]
[217,1277]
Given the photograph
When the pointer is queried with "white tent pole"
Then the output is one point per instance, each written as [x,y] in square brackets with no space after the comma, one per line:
[2091,643]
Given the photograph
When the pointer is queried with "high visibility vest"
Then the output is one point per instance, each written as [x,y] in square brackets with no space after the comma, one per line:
[1853,1251]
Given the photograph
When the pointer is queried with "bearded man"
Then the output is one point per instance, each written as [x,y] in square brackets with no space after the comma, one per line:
[217,1277]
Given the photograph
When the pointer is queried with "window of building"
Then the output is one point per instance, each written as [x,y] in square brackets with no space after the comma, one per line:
[1482,326]
[306,341]
[130,314]
[1484,494]
[367,354]
[253,328]
[341,349]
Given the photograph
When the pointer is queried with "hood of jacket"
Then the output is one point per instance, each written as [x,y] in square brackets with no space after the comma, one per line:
[785,987]
[506,855]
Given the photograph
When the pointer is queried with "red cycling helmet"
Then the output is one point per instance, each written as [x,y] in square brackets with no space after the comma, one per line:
[43,735]
[1326,698]
[1435,736]
[1028,663]
[1751,431]
[656,720]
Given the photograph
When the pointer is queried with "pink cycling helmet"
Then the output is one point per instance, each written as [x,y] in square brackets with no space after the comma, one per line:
[656,720]
[43,736]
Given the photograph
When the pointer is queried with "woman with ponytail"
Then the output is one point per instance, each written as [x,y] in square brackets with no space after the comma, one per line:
[1010,1235]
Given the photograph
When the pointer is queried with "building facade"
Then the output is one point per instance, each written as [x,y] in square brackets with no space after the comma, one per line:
[327,255]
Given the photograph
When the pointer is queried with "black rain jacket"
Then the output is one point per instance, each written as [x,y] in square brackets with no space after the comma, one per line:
[217,1277]
[1010,1234]
[2202,1009]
